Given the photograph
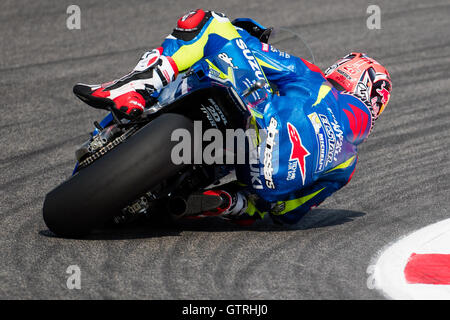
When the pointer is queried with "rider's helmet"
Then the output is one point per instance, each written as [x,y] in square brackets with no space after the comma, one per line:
[363,76]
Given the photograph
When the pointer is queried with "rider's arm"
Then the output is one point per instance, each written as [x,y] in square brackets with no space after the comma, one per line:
[286,71]
[293,208]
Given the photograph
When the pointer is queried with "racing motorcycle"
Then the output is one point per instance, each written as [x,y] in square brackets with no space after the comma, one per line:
[125,170]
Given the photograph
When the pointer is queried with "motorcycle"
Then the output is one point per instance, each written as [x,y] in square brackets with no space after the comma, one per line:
[126,170]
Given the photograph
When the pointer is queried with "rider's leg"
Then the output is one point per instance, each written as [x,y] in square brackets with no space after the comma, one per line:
[130,94]
[198,33]
[186,45]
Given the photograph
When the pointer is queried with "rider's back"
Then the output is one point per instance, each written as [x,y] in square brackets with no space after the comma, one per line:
[318,127]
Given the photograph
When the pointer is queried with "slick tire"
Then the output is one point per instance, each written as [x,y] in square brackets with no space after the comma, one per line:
[90,198]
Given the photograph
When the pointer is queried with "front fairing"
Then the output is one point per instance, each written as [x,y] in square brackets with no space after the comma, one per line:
[229,68]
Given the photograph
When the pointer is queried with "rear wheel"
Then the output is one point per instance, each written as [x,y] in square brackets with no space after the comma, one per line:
[92,196]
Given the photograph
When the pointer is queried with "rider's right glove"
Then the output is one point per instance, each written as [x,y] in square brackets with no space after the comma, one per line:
[130,93]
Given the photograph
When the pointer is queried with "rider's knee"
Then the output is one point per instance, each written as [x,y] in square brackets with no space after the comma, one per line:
[192,23]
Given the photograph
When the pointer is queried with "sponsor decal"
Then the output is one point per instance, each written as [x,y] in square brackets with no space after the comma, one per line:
[268,153]
[334,66]
[355,67]
[298,154]
[214,73]
[228,60]
[218,111]
[344,74]
[280,53]
[338,133]
[251,59]
[315,121]
[322,151]
[320,139]
[364,86]
[254,169]
[292,170]
[211,118]
[330,137]
[265,47]
[362,90]
[213,113]
[383,93]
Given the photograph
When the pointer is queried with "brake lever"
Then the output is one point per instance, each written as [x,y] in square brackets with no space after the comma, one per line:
[259,84]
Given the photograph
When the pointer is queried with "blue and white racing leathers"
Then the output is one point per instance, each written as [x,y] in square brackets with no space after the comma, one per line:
[317,128]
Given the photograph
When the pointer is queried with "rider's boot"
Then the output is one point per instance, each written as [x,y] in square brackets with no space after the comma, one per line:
[228,205]
[130,94]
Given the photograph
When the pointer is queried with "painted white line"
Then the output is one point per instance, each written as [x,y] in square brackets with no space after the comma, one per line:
[388,269]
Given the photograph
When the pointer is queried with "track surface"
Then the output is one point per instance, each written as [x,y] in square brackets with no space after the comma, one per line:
[402,182]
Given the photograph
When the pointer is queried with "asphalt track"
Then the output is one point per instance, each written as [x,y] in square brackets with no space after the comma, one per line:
[402,182]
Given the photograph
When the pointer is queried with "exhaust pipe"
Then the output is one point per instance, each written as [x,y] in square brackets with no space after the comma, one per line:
[177,207]
[193,205]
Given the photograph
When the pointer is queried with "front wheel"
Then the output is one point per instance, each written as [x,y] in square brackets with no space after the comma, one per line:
[92,196]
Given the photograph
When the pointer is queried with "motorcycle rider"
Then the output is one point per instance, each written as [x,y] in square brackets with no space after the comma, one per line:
[319,118]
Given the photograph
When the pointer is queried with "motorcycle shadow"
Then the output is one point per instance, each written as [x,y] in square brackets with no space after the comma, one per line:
[315,219]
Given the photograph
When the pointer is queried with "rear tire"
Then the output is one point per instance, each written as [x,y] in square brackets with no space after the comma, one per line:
[91,197]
